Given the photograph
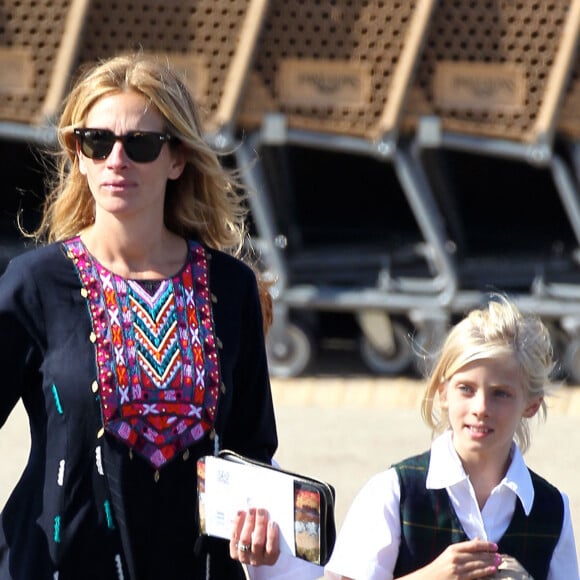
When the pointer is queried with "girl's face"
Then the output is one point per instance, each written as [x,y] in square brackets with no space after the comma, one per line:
[119,185]
[485,401]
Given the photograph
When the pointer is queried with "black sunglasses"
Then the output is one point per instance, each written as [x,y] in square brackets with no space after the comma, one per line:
[140,146]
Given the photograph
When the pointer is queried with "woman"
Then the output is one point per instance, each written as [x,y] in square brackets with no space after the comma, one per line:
[134,339]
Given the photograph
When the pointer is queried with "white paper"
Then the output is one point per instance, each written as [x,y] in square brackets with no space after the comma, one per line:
[232,486]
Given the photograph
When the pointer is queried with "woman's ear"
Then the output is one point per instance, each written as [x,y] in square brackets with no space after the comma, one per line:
[81,159]
[177,163]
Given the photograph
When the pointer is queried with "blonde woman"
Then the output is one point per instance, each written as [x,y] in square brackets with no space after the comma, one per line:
[135,339]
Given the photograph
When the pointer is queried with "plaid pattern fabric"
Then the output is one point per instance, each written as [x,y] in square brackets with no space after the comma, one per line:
[429,522]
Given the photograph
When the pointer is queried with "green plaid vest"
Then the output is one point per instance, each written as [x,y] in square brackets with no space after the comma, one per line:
[429,522]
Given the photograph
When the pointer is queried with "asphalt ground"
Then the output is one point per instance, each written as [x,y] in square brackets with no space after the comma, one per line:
[344,427]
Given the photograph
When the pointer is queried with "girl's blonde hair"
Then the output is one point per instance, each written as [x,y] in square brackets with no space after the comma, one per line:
[207,202]
[496,331]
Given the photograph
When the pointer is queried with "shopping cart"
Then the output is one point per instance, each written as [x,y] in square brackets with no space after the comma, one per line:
[486,101]
[211,42]
[346,220]
[38,42]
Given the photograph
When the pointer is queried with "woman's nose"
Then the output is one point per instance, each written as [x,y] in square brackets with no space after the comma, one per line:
[117,157]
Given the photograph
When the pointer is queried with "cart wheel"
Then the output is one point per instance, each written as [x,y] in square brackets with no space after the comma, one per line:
[289,352]
[391,363]
[571,361]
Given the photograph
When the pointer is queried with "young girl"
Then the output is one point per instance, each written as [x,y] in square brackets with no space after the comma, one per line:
[456,510]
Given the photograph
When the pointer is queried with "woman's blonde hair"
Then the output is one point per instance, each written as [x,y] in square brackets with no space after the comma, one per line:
[496,331]
[207,202]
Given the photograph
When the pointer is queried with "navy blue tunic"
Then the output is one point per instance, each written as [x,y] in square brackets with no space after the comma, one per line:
[68,524]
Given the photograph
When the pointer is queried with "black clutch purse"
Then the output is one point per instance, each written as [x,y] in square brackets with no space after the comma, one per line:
[302,506]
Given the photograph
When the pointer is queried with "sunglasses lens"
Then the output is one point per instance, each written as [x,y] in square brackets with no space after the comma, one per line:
[96,144]
[143,147]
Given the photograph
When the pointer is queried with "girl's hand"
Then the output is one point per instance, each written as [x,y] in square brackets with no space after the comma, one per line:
[255,539]
[463,561]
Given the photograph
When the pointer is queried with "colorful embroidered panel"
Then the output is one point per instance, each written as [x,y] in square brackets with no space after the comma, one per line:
[157,361]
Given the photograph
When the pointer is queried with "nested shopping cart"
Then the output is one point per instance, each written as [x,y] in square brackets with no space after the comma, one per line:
[38,42]
[568,130]
[486,103]
[43,45]
[211,42]
[345,219]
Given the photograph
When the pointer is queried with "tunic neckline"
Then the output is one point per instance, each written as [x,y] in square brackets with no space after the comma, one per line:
[157,362]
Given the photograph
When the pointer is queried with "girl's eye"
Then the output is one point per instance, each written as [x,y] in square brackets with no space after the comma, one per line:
[465,388]
[502,393]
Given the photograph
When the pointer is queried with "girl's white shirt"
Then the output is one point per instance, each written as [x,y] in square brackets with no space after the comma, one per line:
[368,543]
[286,568]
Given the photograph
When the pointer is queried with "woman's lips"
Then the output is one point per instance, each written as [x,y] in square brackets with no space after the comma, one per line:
[118,185]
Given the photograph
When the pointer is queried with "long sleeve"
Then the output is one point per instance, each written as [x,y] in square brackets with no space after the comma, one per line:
[20,340]
[371,530]
[246,421]
[564,562]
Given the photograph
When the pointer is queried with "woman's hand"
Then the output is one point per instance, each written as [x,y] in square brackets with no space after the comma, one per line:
[255,539]
[463,561]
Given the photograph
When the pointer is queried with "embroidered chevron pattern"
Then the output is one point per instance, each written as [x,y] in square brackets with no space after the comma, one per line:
[158,366]
[156,333]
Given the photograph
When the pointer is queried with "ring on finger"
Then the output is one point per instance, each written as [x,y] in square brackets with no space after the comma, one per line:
[244,547]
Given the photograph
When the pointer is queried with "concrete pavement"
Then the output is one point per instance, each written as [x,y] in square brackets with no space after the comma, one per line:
[345,430]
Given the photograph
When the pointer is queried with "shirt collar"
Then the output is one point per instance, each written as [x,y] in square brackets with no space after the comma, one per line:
[446,470]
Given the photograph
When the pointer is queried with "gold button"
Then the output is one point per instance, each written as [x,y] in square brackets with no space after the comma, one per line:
[95,386]
[101,432]
[186,455]
[84,292]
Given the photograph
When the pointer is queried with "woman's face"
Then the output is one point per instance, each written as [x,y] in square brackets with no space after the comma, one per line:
[120,186]
[485,402]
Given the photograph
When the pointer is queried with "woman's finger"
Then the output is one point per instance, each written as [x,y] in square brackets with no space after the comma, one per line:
[244,546]
[236,533]
[272,544]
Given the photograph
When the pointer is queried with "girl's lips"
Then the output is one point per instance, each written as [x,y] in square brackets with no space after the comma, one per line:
[479,430]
